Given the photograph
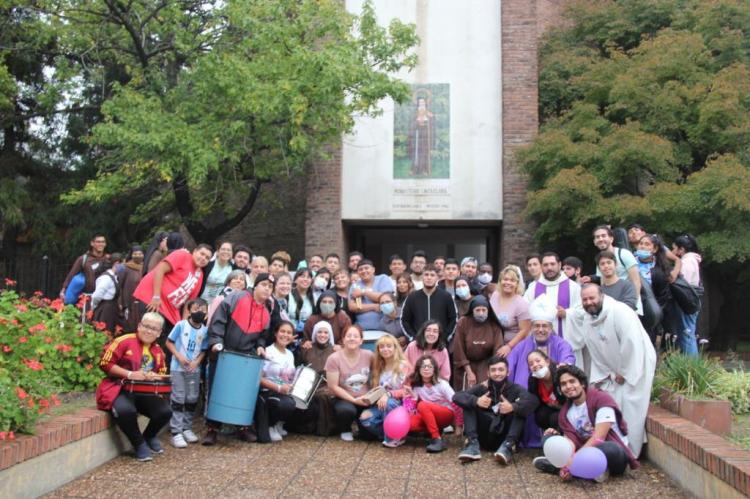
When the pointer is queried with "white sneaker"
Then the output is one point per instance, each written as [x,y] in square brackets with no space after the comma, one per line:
[347,436]
[280,429]
[393,443]
[274,434]
[178,441]
[190,437]
[448,429]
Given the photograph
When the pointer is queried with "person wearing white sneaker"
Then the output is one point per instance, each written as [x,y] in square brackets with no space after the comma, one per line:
[188,342]
[189,436]
[347,376]
[178,441]
[274,404]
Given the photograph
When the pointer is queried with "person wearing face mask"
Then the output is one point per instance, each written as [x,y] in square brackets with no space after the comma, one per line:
[390,322]
[326,309]
[543,314]
[495,413]
[478,338]
[462,293]
[320,283]
[482,279]
[105,299]
[542,385]
[188,342]
[129,279]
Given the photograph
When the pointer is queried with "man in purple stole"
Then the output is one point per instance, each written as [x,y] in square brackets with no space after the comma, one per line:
[555,284]
[543,312]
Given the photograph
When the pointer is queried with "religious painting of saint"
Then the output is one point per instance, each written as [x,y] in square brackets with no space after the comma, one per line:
[421,128]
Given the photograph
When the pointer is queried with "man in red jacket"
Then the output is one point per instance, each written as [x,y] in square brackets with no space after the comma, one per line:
[135,357]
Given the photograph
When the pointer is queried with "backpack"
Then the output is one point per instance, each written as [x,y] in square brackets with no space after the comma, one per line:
[76,285]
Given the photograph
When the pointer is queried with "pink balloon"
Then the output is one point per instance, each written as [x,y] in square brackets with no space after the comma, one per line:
[396,424]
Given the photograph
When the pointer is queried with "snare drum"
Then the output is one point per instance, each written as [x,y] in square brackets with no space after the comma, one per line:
[304,387]
[160,387]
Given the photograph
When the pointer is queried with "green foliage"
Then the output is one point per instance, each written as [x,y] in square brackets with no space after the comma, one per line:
[44,350]
[703,377]
[694,377]
[249,91]
[646,117]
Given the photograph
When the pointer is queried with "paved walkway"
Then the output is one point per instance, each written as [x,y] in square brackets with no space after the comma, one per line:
[306,466]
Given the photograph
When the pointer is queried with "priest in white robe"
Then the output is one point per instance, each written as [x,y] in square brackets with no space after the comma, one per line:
[620,357]
[553,282]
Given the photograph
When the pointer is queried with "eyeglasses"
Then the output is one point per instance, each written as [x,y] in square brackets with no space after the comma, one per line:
[153,329]
[428,367]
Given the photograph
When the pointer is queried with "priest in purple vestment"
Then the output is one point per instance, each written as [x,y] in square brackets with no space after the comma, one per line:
[543,312]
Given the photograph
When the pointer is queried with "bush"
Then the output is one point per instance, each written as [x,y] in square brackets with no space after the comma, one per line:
[44,350]
[703,377]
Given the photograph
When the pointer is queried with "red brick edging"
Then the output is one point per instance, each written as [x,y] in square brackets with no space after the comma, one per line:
[719,457]
[58,432]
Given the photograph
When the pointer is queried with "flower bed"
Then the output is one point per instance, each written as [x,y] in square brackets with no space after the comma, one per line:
[44,351]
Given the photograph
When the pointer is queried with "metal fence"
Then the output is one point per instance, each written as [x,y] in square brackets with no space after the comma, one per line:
[34,273]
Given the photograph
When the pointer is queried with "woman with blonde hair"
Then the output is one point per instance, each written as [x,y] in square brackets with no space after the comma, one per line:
[511,308]
[389,370]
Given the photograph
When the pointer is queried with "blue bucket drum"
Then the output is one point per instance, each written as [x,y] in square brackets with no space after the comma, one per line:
[234,389]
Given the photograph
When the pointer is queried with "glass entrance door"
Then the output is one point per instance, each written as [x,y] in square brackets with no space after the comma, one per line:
[378,243]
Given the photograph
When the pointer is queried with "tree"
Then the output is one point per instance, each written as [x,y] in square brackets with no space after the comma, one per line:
[646,117]
[212,99]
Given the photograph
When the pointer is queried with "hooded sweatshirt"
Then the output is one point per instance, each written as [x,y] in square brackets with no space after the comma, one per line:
[691,268]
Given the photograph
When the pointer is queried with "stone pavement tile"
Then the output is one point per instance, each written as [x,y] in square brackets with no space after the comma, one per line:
[544,486]
[265,476]
[395,464]
[237,492]
[316,486]
[486,488]
[435,488]
[375,485]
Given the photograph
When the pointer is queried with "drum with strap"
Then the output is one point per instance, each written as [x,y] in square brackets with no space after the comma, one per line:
[305,384]
[234,388]
[155,387]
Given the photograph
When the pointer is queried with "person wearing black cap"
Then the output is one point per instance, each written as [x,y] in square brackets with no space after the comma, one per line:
[478,337]
[242,323]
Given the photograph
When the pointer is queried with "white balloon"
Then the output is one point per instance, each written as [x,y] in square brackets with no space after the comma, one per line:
[558,450]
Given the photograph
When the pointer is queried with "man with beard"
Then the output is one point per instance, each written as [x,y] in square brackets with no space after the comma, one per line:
[416,266]
[557,286]
[495,414]
[590,418]
[622,359]
[242,323]
[543,312]
[430,302]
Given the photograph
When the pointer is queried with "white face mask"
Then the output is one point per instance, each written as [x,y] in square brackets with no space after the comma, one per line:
[485,278]
[541,373]
[320,283]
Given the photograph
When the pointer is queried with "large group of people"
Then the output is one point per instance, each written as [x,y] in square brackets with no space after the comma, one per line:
[461,348]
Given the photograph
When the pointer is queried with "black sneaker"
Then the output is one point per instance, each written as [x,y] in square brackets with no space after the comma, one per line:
[471,452]
[247,435]
[210,437]
[542,464]
[143,453]
[155,445]
[504,453]
[436,445]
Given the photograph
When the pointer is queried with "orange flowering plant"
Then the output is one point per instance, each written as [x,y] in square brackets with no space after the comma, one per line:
[45,350]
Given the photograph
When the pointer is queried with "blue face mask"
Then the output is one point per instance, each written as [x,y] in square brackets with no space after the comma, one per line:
[463,293]
[643,254]
[387,308]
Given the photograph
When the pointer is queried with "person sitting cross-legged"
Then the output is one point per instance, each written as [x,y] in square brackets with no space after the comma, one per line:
[495,413]
[589,418]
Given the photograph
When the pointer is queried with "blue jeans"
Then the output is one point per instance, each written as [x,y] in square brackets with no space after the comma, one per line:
[372,418]
[686,338]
